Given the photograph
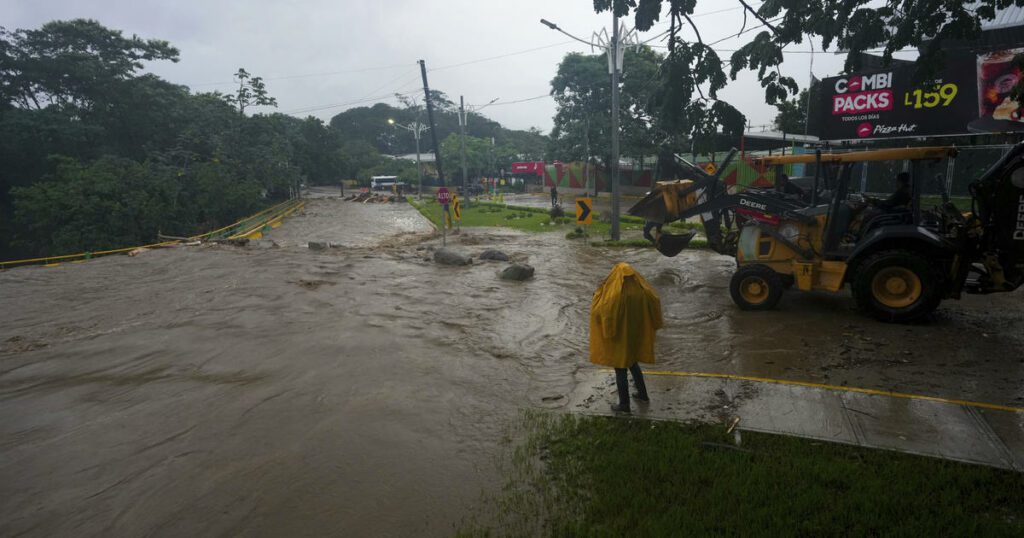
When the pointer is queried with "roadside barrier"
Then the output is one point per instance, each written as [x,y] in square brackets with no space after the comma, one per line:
[251,227]
[840,388]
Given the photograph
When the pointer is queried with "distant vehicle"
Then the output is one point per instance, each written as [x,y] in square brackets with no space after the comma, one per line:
[386,183]
[474,190]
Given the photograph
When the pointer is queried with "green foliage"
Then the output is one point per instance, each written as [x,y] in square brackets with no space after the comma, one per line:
[96,156]
[71,63]
[370,124]
[113,202]
[853,26]
[251,92]
[479,157]
[582,123]
[792,114]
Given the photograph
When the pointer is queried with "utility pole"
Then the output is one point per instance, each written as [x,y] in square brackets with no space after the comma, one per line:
[462,138]
[433,128]
[417,129]
[613,47]
[613,63]
[586,163]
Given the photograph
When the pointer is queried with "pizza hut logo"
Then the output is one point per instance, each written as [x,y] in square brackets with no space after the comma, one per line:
[859,94]
[865,129]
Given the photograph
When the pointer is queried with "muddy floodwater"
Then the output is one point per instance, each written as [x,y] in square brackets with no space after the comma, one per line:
[363,391]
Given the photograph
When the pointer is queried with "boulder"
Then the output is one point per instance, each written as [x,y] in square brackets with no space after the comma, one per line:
[517,271]
[495,255]
[450,257]
[318,245]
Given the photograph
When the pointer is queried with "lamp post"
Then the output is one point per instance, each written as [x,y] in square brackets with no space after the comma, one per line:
[614,47]
[417,129]
[463,117]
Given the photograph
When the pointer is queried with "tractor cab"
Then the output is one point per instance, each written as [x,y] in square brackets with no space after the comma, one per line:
[855,219]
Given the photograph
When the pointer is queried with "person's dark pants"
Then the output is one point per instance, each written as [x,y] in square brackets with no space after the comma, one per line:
[623,385]
[554,200]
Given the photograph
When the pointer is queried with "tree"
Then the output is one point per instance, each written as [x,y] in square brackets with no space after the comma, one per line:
[792,114]
[582,92]
[251,92]
[70,63]
[692,73]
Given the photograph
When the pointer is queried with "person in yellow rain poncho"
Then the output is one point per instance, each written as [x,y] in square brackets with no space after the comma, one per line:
[624,316]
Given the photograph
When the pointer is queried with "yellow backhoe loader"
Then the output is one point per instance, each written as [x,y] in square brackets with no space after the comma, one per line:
[900,262]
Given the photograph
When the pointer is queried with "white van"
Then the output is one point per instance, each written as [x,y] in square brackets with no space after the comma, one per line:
[386,183]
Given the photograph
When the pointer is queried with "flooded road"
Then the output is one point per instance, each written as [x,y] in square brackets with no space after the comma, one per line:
[362,390]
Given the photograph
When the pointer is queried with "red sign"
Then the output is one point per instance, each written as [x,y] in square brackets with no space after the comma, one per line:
[529,167]
[443,196]
[758,216]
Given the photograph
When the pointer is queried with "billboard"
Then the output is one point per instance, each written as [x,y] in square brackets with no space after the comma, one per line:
[970,96]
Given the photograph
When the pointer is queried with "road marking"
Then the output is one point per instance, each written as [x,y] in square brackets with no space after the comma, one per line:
[875,392]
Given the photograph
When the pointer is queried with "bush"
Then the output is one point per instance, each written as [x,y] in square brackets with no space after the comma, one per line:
[556,212]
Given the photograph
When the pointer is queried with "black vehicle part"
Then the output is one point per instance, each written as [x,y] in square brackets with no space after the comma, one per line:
[896,286]
[756,287]
[902,237]
[999,199]
[671,244]
[833,231]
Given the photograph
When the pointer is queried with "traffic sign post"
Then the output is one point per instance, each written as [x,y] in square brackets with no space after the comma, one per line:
[443,196]
[457,211]
[584,210]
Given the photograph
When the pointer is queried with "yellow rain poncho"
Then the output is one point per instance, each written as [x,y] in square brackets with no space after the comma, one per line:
[624,316]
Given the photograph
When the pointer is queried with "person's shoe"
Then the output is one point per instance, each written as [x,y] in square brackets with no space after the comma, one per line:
[619,408]
[644,398]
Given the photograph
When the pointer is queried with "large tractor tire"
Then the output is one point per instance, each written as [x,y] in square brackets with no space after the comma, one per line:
[756,287]
[896,286]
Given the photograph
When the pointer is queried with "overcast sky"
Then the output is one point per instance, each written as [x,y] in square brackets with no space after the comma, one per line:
[337,52]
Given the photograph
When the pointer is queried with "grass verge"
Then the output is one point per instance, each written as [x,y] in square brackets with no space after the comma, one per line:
[528,219]
[595,476]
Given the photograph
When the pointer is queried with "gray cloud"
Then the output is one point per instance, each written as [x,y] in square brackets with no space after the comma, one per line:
[382,41]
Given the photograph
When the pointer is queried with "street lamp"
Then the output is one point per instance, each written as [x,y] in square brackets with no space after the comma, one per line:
[614,47]
[462,131]
[417,129]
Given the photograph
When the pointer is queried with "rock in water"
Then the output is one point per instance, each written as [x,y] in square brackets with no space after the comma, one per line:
[318,245]
[517,271]
[492,254]
[450,257]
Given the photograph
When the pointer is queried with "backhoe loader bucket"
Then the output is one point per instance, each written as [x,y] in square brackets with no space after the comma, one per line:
[663,204]
[671,244]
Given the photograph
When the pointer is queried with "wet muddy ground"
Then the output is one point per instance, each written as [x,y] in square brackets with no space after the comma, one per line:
[362,390]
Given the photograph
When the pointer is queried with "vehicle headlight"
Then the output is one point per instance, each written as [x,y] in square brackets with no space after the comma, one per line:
[790,231]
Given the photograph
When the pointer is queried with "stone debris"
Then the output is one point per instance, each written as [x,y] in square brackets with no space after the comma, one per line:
[517,271]
[495,255]
[450,257]
[372,198]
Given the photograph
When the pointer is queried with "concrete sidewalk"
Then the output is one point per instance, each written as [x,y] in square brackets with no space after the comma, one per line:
[955,431]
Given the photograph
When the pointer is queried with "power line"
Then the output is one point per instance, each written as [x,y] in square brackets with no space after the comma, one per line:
[499,57]
[306,75]
[523,100]
[356,102]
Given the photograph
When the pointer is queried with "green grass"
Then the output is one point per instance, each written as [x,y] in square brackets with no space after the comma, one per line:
[595,476]
[527,219]
[536,219]
[963,203]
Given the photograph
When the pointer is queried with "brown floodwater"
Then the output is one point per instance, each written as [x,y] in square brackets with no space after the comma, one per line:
[362,390]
